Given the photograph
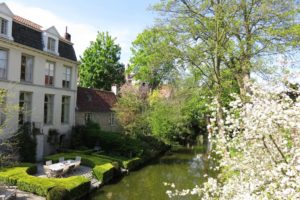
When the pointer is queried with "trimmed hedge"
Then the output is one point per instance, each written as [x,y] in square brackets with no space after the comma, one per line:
[104,173]
[10,176]
[36,185]
[132,164]
[77,186]
[58,193]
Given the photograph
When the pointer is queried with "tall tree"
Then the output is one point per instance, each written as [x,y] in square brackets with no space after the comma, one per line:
[153,60]
[234,32]
[100,65]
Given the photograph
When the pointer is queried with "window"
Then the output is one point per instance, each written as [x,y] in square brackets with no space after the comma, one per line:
[25,107]
[4,26]
[65,109]
[51,44]
[26,68]
[112,119]
[3,95]
[3,63]
[48,109]
[49,73]
[67,77]
[87,117]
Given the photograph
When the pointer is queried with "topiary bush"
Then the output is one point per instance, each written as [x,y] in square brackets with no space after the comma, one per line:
[104,173]
[58,193]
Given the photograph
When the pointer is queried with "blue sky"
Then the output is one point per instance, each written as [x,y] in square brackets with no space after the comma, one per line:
[123,19]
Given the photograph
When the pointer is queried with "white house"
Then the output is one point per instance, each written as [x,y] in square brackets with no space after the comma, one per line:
[38,72]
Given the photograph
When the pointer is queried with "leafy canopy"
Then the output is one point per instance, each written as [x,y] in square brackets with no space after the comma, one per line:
[100,65]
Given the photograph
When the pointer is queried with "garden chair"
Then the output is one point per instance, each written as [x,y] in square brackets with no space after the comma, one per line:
[58,173]
[49,162]
[77,162]
[78,159]
[65,170]
[47,171]
[61,159]
[77,165]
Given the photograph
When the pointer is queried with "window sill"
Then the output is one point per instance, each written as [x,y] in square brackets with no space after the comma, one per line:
[26,82]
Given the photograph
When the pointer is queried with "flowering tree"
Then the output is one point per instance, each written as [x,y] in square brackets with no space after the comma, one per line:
[259,149]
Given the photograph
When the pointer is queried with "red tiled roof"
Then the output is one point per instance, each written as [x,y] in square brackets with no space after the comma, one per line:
[27,22]
[95,100]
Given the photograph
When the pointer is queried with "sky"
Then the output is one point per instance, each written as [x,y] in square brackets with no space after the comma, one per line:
[123,19]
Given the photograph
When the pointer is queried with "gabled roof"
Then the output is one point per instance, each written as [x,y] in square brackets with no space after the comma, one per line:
[95,100]
[52,30]
[4,9]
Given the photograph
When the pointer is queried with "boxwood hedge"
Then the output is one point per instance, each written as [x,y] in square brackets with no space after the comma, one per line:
[77,186]
[104,173]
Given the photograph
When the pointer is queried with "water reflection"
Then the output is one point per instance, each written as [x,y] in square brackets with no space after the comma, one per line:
[183,168]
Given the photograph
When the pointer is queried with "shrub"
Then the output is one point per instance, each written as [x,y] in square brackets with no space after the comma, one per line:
[36,185]
[58,193]
[77,186]
[132,164]
[10,176]
[104,173]
[26,142]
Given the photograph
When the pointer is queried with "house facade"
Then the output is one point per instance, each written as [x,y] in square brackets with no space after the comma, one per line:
[38,73]
[96,105]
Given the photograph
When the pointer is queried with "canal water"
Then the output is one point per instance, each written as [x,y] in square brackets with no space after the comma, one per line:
[183,167]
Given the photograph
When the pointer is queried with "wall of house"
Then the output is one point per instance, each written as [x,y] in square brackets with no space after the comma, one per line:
[38,89]
[103,119]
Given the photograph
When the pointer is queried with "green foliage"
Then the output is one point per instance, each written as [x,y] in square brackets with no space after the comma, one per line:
[19,175]
[58,193]
[154,54]
[26,143]
[10,176]
[132,164]
[100,66]
[35,185]
[131,110]
[104,172]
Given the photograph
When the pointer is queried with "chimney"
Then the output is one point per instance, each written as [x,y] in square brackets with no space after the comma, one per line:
[114,89]
[67,35]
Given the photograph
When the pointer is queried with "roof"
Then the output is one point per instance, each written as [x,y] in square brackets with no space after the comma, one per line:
[95,100]
[27,22]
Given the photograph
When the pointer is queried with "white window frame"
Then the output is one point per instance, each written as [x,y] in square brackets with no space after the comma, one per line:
[28,67]
[65,109]
[3,26]
[25,107]
[67,76]
[48,47]
[48,109]
[8,34]
[112,120]
[3,75]
[49,72]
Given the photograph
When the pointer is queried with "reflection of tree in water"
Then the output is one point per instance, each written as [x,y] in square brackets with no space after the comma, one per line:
[196,165]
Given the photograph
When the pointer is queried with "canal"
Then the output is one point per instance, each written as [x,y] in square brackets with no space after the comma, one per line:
[183,167]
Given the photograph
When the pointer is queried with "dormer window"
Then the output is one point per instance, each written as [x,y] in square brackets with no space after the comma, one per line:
[51,38]
[51,44]
[6,18]
[4,26]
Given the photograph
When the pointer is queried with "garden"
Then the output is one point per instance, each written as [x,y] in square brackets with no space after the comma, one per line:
[118,153]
